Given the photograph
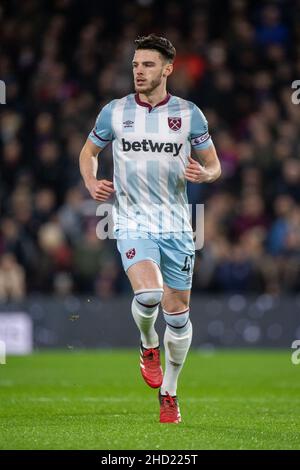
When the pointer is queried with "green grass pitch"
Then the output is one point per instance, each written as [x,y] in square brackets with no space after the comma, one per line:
[98,400]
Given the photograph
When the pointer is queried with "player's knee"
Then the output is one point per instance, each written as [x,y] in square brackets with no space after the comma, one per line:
[149,298]
[176,301]
[179,322]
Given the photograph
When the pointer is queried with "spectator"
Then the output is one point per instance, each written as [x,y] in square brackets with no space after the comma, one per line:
[12,279]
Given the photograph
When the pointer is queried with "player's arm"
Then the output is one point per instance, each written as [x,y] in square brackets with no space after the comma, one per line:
[100,190]
[100,136]
[207,169]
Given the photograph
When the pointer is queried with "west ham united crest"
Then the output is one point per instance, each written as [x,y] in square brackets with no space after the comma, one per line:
[130,253]
[174,123]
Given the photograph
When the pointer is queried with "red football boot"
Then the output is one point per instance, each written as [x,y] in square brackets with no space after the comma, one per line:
[150,366]
[169,409]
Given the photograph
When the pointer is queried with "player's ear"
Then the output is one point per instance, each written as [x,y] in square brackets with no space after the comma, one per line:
[168,69]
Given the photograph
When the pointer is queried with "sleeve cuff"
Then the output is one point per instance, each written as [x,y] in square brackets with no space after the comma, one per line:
[99,141]
[201,145]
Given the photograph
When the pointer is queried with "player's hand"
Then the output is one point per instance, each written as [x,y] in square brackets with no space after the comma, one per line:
[100,190]
[196,173]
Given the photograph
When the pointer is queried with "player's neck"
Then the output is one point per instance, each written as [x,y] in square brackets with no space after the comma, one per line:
[154,97]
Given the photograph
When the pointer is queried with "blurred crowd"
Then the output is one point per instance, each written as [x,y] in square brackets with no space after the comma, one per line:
[62,60]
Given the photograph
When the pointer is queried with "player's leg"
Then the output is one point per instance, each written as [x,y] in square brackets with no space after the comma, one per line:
[141,258]
[178,335]
[177,259]
[147,284]
[177,341]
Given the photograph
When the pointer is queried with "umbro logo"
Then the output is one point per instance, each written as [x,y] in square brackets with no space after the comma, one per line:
[128,124]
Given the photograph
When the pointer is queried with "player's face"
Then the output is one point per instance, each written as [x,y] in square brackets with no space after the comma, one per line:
[149,70]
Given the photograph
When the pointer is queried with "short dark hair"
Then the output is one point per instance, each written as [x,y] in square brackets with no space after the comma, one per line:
[158,43]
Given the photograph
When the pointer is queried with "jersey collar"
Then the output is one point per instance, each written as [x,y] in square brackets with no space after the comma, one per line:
[148,105]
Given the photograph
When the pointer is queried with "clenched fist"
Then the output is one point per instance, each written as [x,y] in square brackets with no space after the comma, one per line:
[100,190]
[196,173]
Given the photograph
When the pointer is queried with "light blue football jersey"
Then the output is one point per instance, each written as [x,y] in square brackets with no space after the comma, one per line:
[151,146]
